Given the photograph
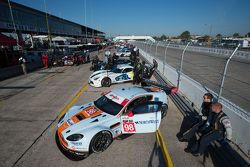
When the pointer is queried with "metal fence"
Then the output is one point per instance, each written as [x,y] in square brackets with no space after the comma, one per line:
[216,51]
[197,73]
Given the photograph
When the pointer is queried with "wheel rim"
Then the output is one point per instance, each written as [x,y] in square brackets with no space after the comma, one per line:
[102,142]
[106,82]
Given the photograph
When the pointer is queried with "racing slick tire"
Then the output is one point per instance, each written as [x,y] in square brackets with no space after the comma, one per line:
[106,82]
[164,110]
[101,141]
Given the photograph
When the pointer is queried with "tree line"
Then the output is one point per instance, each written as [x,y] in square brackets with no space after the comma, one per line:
[187,36]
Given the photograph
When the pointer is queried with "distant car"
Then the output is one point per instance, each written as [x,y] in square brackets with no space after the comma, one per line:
[68,60]
[93,126]
[104,78]
[81,57]
[124,52]
[102,66]
[122,61]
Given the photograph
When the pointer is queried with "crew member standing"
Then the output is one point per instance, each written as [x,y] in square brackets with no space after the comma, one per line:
[107,55]
[45,59]
[22,61]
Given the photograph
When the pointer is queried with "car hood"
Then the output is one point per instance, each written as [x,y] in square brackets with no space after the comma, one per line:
[82,117]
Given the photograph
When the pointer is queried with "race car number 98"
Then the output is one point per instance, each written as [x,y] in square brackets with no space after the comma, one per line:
[129,127]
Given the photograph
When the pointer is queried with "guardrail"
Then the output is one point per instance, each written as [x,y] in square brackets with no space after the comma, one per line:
[193,91]
[217,51]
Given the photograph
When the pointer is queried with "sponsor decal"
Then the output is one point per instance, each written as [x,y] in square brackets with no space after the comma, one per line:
[91,111]
[70,122]
[76,143]
[122,77]
[147,122]
[114,96]
[118,99]
[128,126]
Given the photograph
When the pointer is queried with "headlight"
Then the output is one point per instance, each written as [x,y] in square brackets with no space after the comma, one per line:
[96,78]
[75,137]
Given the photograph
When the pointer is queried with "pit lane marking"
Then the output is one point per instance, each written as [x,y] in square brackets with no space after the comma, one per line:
[164,149]
[79,93]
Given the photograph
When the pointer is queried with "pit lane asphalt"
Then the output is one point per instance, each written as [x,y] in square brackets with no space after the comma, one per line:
[29,106]
[28,121]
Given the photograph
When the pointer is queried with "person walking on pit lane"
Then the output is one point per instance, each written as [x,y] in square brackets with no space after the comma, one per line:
[106,56]
[217,127]
[22,61]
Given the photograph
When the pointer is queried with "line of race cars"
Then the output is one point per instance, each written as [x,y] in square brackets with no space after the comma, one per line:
[93,126]
[73,58]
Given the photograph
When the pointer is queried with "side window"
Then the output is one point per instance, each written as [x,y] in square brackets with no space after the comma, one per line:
[127,70]
[140,100]
[146,108]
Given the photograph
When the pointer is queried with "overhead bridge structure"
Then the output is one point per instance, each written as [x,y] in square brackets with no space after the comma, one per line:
[132,37]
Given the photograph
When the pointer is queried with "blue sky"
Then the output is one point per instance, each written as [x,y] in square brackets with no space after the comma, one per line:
[153,17]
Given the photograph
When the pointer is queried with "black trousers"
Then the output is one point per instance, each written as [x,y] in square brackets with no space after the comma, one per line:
[188,135]
[206,139]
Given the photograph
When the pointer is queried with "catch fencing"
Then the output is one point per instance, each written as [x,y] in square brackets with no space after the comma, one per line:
[192,85]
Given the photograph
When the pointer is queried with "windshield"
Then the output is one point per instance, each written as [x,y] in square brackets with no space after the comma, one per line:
[107,105]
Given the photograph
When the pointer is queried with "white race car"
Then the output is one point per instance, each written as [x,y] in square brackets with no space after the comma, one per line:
[124,52]
[104,78]
[93,126]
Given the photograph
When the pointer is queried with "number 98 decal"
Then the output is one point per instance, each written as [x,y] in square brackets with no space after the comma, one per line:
[128,126]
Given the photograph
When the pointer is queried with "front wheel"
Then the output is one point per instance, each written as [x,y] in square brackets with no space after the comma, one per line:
[101,141]
[164,110]
[106,82]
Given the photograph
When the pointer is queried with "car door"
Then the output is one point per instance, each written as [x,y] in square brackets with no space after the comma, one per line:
[123,76]
[128,74]
[143,118]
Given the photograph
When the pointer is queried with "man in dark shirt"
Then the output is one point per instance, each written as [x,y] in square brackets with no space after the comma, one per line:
[200,119]
[217,127]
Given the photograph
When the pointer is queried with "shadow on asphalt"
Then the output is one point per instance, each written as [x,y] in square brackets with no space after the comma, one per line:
[17,87]
[75,157]
[124,136]
[221,154]
[68,154]
[156,153]
[50,72]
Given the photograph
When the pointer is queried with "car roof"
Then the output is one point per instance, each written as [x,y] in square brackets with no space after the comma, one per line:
[129,92]
[122,66]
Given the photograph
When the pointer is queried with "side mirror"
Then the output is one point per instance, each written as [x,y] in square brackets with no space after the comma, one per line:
[130,114]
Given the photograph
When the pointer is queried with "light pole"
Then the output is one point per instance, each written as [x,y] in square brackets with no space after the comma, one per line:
[47,22]
[14,25]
